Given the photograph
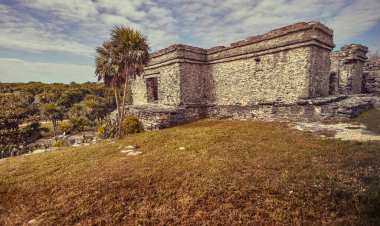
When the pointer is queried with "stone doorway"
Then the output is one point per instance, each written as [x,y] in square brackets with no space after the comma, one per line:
[152,89]
[333,83]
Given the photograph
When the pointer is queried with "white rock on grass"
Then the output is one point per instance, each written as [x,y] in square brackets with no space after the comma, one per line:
[131,147]
[38,151]
[134,153]
[182,148]
[32,222]
[125,151]
[76,145]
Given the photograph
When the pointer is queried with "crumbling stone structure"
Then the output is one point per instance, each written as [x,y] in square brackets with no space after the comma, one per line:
[284,65]
[279,75]
[346,76]
[371,77]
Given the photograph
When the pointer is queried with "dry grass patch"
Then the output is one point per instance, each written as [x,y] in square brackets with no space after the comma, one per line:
[371,119]
[232,172]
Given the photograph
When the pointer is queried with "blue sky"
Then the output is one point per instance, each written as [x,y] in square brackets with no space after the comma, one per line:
[54,41]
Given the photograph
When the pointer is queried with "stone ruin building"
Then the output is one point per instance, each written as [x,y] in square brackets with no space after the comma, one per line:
[290,73]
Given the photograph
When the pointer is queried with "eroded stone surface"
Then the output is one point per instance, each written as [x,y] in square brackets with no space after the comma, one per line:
[372,77]
[343,131]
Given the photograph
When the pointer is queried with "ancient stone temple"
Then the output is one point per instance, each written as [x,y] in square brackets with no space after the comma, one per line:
[286,73]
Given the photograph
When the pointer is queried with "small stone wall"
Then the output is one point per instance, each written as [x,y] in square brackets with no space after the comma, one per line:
[154,117]
[340,107]
[371,77]
[346,75]
[330,108]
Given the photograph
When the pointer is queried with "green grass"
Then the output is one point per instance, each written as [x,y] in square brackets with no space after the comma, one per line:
[232,172]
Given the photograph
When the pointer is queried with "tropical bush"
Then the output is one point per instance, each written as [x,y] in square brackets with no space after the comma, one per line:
[101,129]
[65,126]
[58,144]
[132,125]
[108,130]
[16,109]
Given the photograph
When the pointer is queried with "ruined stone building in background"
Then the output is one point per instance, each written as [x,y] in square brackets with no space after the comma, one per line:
[288,73]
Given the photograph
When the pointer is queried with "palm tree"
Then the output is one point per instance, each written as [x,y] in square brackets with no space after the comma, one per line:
[107,69]
[120,60]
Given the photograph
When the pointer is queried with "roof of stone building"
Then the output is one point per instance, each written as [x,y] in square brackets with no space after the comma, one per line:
[249,40]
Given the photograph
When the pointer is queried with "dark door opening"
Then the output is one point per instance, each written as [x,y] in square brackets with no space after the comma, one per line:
[333,83]
[152,89]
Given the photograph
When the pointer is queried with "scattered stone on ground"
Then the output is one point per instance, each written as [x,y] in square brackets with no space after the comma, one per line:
[76,145]
[125,151]
[133,153]
[182,148]
[37,151]
[131,147]
[32,222]
[343,131]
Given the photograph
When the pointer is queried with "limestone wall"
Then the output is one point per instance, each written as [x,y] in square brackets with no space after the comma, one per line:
[194,82]
[371,76]
[282,66]
[347,67]
[168,78]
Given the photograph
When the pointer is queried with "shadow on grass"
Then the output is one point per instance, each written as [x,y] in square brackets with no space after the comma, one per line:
[371,119]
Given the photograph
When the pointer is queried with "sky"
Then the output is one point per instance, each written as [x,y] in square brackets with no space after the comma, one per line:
[55,40]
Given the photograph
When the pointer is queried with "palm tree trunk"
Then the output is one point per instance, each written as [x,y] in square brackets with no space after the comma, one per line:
[117,103]
[123,105]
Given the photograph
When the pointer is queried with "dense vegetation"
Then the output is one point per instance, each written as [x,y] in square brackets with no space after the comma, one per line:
[25,105]
[230,173]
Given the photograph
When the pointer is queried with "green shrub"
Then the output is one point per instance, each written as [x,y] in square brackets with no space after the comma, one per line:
[65,126]
[101,130]
[132,125]
[78,123]
[57,144]
[108,129]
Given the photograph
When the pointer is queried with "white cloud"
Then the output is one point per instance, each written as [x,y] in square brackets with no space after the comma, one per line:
[15,70]
[354,19]
[68,9]
[129,9]
[78,26]
[24,32]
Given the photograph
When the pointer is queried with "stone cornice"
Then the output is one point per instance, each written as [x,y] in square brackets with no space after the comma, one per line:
[239,57]
[312,33]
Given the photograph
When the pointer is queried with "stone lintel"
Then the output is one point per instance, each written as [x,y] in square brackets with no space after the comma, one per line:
[151,75]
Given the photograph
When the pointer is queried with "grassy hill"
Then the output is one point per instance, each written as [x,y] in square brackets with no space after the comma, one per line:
[232,172]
